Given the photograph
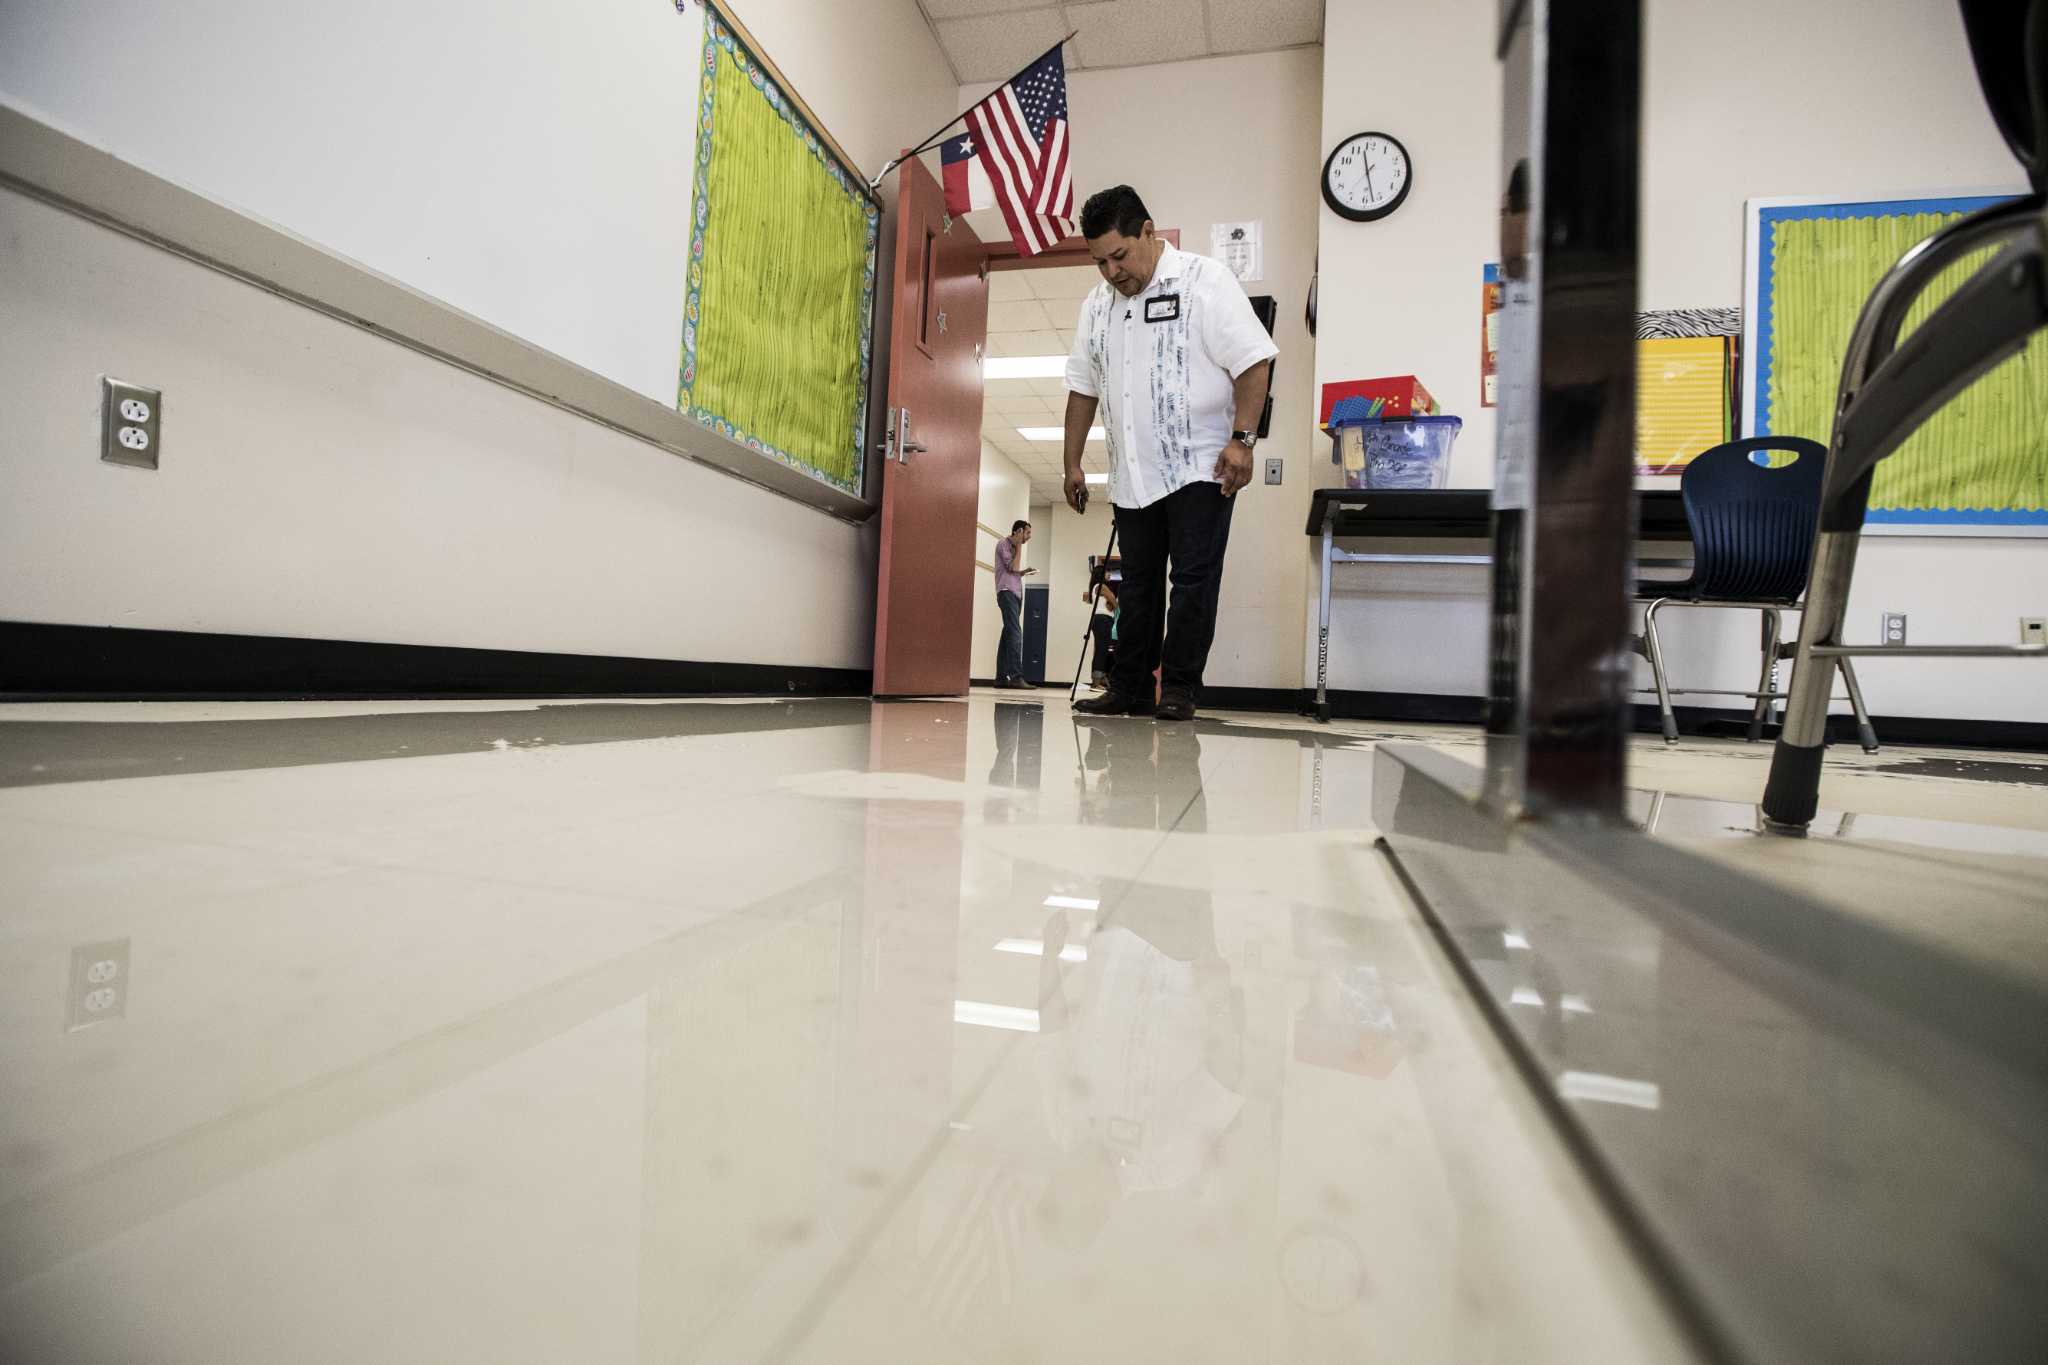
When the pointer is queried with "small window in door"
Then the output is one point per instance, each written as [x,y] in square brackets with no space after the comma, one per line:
[925,306]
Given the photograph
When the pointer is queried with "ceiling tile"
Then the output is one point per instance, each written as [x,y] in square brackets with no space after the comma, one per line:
[1014,404]
[1026,343]
[994,47]
[954,9]
[1005,286]
[1132,32]
[1062,314]
[1046,342]
[1008,343]
[1262,25]
[1063,282]
[1019,315]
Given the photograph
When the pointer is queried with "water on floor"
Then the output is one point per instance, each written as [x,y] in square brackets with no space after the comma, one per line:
[776,1031]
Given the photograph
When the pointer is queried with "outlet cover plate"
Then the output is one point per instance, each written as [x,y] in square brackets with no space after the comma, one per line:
[1273,470]
[1894,629]
[99,984]
[2034,630]
[119,443]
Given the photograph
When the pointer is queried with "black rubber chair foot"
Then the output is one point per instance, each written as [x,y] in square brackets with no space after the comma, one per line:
[1793,793]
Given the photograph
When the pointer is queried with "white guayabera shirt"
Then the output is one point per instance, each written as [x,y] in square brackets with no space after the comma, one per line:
[1162,365]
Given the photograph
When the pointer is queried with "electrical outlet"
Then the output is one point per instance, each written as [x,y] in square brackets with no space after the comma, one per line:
[1894,628]
[1273,470]
[131,422]
[2034,630]
[99,984]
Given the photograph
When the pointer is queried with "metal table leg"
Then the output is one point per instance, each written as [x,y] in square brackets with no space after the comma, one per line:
[1323,625]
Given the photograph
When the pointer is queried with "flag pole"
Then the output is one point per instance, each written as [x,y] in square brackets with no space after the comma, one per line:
[939,135]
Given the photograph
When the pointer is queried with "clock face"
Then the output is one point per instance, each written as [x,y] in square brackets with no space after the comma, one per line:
[1367,177]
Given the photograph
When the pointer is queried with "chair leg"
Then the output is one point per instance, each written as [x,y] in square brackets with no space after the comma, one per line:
[1655,650]
[1865,734]
[1763,684]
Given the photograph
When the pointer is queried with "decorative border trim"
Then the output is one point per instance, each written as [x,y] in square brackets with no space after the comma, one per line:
[718,35]
[1760,332]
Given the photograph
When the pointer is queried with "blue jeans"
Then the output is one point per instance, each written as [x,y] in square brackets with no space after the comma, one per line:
[1010,649]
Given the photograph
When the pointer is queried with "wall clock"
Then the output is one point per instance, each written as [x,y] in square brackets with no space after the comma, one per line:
[1367,176]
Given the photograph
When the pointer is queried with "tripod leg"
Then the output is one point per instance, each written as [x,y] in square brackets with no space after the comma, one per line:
[1088,627]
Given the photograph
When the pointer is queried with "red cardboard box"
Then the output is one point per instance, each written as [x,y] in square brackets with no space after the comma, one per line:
[1403,394]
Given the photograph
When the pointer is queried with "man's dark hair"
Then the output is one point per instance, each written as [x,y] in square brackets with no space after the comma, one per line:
[1117,207]
[1018,525]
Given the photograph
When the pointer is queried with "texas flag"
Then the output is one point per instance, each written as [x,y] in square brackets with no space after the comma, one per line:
[967,186]
[1014,155]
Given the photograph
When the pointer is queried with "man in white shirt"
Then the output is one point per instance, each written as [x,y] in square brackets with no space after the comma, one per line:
[1170,351]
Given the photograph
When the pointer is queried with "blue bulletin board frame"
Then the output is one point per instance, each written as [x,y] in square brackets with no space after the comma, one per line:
[1760,281]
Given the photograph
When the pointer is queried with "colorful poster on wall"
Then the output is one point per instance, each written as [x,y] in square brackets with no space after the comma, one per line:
[1489,335]
[779,306]
[1979,466]
[1685,385]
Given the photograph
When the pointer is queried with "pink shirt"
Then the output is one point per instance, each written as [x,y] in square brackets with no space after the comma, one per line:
[1007,577]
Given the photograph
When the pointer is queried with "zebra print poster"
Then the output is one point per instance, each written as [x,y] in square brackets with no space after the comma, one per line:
[1666,324]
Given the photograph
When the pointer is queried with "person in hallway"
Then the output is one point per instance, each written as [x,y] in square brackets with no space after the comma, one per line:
[1103,627]
[1168,348]
[1010,600]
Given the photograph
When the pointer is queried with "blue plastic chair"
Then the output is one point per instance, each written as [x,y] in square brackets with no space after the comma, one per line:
[1752,527]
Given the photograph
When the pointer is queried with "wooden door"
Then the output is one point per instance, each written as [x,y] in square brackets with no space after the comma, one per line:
[931,467]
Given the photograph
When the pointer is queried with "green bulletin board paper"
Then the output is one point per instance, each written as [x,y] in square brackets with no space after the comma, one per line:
[1981,463]
[777,324]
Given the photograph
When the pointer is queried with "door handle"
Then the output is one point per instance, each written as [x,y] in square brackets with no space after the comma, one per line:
[905,446]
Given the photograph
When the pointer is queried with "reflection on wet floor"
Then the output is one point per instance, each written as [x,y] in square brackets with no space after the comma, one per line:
[806,1030]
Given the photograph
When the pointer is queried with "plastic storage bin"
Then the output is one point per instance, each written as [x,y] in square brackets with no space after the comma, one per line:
[1399,452]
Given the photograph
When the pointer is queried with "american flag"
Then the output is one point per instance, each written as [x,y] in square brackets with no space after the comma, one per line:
[1019,136]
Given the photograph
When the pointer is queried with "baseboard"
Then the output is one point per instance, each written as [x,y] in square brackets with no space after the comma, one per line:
[112,663]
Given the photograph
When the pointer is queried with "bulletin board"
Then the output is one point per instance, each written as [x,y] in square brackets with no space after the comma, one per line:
[778,314]
[1685,385]
[1980,465]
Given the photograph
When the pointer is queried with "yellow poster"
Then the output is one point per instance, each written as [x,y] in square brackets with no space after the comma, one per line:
[1681,400]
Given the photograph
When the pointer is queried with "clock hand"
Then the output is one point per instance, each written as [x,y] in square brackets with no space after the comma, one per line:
[1367,163]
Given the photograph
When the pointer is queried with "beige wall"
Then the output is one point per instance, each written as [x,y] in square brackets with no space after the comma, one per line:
[1746,99]
[1220,140]
[526,162]
[320,482]
[1887,103]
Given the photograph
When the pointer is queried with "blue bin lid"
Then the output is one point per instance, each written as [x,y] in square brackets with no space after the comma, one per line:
[1350,412]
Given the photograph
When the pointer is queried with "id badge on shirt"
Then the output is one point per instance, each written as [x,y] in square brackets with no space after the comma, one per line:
[1162,308]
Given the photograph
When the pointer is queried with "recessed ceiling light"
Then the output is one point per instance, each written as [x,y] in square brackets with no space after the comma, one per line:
[1023,367]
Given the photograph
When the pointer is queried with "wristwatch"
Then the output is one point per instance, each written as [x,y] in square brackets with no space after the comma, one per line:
[1248,439]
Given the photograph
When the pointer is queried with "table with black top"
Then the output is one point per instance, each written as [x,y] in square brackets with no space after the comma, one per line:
[1447,514]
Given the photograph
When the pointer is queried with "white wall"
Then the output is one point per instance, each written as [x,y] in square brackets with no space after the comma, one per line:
[1744,99]
[320,482]
[1221,140]
[1402,296]
[526,162]
[1887,104]
[1005,496]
